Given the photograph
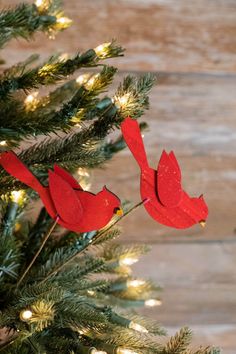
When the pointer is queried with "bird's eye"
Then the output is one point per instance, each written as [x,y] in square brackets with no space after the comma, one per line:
[118,211]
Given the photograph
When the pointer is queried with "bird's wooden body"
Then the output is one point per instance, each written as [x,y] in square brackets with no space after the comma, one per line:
[161,190]
[182,216]
[76,209]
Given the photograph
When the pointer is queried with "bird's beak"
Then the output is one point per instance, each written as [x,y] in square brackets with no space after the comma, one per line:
[119,212]
[202,223]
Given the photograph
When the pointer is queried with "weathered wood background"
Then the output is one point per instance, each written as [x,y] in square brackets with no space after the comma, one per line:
[191,45]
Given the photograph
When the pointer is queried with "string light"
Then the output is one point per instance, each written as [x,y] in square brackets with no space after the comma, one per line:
[87,80]
[95,351]
[127,261]
[31,101]
[82,79]
[102,50]
[125,351]
[137,327]
[91,292]
[17,196]
[135,283]
[121,101]
[63,22]
[42,5]
[3,143]
[30,98]
[152,302]
[26,315]
[39,3]
[83,331]
[63,57]
[90,83]
[84,178]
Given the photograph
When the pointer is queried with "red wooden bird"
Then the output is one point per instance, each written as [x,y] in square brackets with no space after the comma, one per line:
[161,190]
[78,210]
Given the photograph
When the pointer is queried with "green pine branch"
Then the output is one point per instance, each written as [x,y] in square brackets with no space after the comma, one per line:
[51,72]
[24,20]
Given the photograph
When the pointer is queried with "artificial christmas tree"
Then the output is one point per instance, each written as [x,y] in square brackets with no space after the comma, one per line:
[62,291]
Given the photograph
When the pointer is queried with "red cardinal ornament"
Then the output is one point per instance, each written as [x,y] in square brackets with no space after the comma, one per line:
[165,200]
[78,210]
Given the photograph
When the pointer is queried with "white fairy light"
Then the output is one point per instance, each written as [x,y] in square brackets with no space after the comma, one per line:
[82,79]
[121,101]
[3,143]
[135,283]
[31,98]
[31,101]
[62,23]
[152,302]
[42,5]
[125,351]
[63,57]
[39,3]
[102,49]
[64,20]
[137,327]
[128,261]
[95,351]
[91,292]
[26,315]
[90,83]
[17,196]
[82,172]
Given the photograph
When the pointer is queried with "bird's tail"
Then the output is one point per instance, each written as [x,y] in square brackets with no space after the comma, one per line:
[133,138]
[12,164]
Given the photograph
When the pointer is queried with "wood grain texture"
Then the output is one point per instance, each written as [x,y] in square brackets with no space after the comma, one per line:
[191,47]
[169,35]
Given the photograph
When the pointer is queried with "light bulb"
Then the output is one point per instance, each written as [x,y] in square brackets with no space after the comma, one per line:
[31,101]
[82,79]
[152,302]
[121,101]
[95,351]
[26,315]
[39,3]
[3,143]
[17,196]
[102,49]
[63,57]
[84,178]
[91,292]
[63,22]
[125,351]
[138,327]
[135,283]
[128,261]
[90,83]
[82,172]
[30,98]
[42,5]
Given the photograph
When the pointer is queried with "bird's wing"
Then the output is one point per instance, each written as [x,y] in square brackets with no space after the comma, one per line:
[66,202]
[175,162]
[169,188]
[67,177]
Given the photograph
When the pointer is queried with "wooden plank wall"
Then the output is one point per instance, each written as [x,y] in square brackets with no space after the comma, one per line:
[190,45]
